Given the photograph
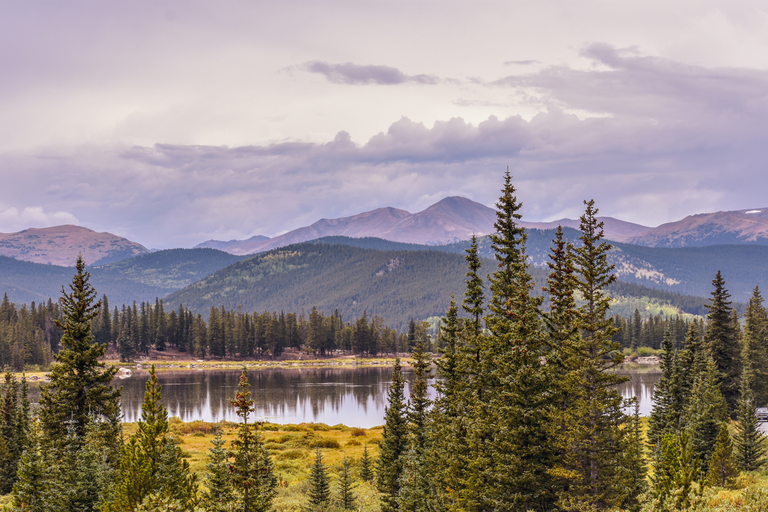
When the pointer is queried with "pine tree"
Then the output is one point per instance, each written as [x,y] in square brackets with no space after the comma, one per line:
[416,489]
[721,341]
[513,414]
[151,462]
[675,473]
[393,444]
[750,443]
[319,484]
[15,421]
[252,474]
[81,386]
[345,489]
[722,466]
[707,411]
[756,334]
[663,417]
[31,491]
[366,466]
[595,463]
[635,462]
[689,363]
[217,477]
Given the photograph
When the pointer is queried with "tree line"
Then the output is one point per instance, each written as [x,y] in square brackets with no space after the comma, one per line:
[29,336]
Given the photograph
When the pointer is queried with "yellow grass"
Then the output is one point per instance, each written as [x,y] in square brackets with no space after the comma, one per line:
[292,448]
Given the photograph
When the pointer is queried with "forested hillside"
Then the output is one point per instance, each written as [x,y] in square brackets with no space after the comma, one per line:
[142,278]
[685,271]
[395,285]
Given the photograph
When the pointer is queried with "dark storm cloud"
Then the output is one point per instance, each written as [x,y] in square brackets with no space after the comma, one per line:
[666,140]
[355,74]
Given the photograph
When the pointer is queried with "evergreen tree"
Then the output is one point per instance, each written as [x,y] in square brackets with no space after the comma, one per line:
[750,444]
[32,490]
[756,335]
[664,417]
[151,462]
[706,413]
[595,457]
[513,414]
[252,474]
[80,388]
[219,490]
[689,363]
[721,341]
[415,485]
[393,444]
[675,473]
[15,421]
[366,466]
[722,466]
[346,497]
[319,484]
[635,462]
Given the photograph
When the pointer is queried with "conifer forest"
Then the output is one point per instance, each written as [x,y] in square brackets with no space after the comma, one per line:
[526,415]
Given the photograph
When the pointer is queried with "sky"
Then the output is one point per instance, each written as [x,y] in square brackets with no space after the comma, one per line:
[174,122]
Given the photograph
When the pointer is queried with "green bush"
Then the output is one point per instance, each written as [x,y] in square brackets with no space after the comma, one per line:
[324,442]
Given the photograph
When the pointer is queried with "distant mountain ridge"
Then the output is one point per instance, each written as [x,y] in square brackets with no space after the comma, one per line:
[450,220]
[60,245]
[222,246]
[719,228]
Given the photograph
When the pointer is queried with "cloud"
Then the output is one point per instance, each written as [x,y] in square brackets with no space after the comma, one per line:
[12,220]
[355,74]
[521,62]
[670,139]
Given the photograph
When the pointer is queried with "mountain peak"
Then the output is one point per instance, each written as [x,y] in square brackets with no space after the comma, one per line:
[60,245]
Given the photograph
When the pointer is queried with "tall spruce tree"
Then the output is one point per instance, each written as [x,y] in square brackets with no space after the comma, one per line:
[151,462]
[749,440]
[664,416]
[722,343]
[705,414]
[756,335]
[15,428]
[80,388]
[598,441]
[416,482]
[394,442]
[513,414]
[253,476]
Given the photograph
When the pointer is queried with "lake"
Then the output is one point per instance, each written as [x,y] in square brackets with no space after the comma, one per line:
[352,396]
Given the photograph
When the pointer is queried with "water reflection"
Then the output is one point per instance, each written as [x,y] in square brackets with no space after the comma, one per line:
[640,385]
[352,396]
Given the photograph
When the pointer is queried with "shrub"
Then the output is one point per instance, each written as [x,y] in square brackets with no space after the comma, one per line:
[324,442]
[292,454]
[358,432]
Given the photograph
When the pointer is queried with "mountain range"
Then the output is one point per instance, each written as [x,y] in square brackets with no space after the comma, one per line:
[451,220]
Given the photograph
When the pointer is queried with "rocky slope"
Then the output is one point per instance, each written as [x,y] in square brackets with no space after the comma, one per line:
[60,245]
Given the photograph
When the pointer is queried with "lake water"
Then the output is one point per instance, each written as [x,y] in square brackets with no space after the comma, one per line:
[352,396]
